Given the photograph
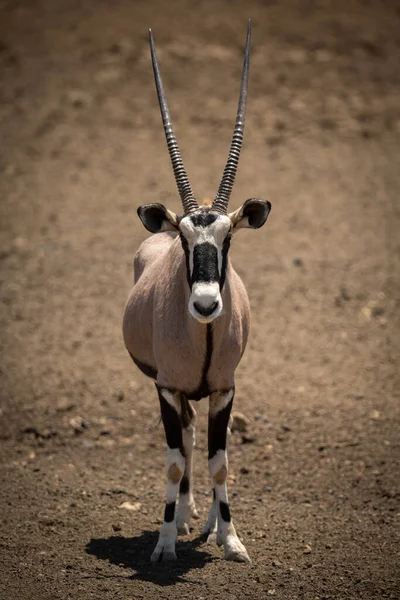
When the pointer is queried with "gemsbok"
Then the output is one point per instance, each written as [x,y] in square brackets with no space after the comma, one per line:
[186,325]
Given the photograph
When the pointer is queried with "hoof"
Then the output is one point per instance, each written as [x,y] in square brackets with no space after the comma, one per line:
[183,529]
[163,556]
[234,550]
[164,551]
[195,514]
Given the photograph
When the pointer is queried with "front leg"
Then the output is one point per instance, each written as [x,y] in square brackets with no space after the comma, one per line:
[187,507]
[170,404]
[220,409]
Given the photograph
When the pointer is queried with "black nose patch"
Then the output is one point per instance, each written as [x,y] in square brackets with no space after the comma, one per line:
[205,263]
[206,311]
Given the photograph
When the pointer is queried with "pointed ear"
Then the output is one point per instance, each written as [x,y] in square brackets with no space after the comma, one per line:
[253,213]
[157,218]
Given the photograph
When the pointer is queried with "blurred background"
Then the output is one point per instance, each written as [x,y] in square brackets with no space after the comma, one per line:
[314,475]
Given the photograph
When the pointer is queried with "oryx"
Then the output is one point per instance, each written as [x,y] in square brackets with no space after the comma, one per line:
[186,325]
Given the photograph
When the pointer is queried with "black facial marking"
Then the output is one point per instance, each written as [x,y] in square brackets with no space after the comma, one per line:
[217,428]
[146,369]
[225,512]
[184,487]
[169,512]
[186,250]
[205,263]
[172,424]
[203,219]
[225,249]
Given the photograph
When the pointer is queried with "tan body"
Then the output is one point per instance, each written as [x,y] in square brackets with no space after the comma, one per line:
[160,332]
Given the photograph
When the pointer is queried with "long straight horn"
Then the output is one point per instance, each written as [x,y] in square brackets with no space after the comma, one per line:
[185,190]
[221,200]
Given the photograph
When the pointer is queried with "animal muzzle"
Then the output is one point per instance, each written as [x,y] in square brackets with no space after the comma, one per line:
[205,302]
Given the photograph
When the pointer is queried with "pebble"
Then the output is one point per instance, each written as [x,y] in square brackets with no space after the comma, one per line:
[307,549]
[298,262]
[129,506]
[239,422]
[375,415]
[78,424]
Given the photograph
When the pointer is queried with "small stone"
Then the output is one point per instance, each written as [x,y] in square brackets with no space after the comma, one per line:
[307,549]
[298,262]
[375,415]
[119,395]
[116,527]
[129,506]
[358,396]
[247,439]
[239,422]
[78,424]
[276,563]
[271,592]
[286,428]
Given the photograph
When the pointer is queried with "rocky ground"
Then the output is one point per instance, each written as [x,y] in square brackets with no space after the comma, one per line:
[314,480]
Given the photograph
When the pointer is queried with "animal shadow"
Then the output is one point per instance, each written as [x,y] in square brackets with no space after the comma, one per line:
[134,553]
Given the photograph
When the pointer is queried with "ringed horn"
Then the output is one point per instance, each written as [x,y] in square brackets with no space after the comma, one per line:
[182,181]
[221,200]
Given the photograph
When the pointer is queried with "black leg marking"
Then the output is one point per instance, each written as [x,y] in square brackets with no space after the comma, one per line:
[225,512]
[217,428]
[184,486]
[169,513]
[172,424]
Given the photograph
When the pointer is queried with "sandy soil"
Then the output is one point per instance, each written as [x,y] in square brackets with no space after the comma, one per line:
[315,480]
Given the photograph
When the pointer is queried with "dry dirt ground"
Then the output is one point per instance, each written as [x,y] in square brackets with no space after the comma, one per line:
[315,479]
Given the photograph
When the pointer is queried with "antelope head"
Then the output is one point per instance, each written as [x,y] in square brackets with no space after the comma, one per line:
[205,231]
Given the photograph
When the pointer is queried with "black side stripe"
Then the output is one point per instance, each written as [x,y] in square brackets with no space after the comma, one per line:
[146,369]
